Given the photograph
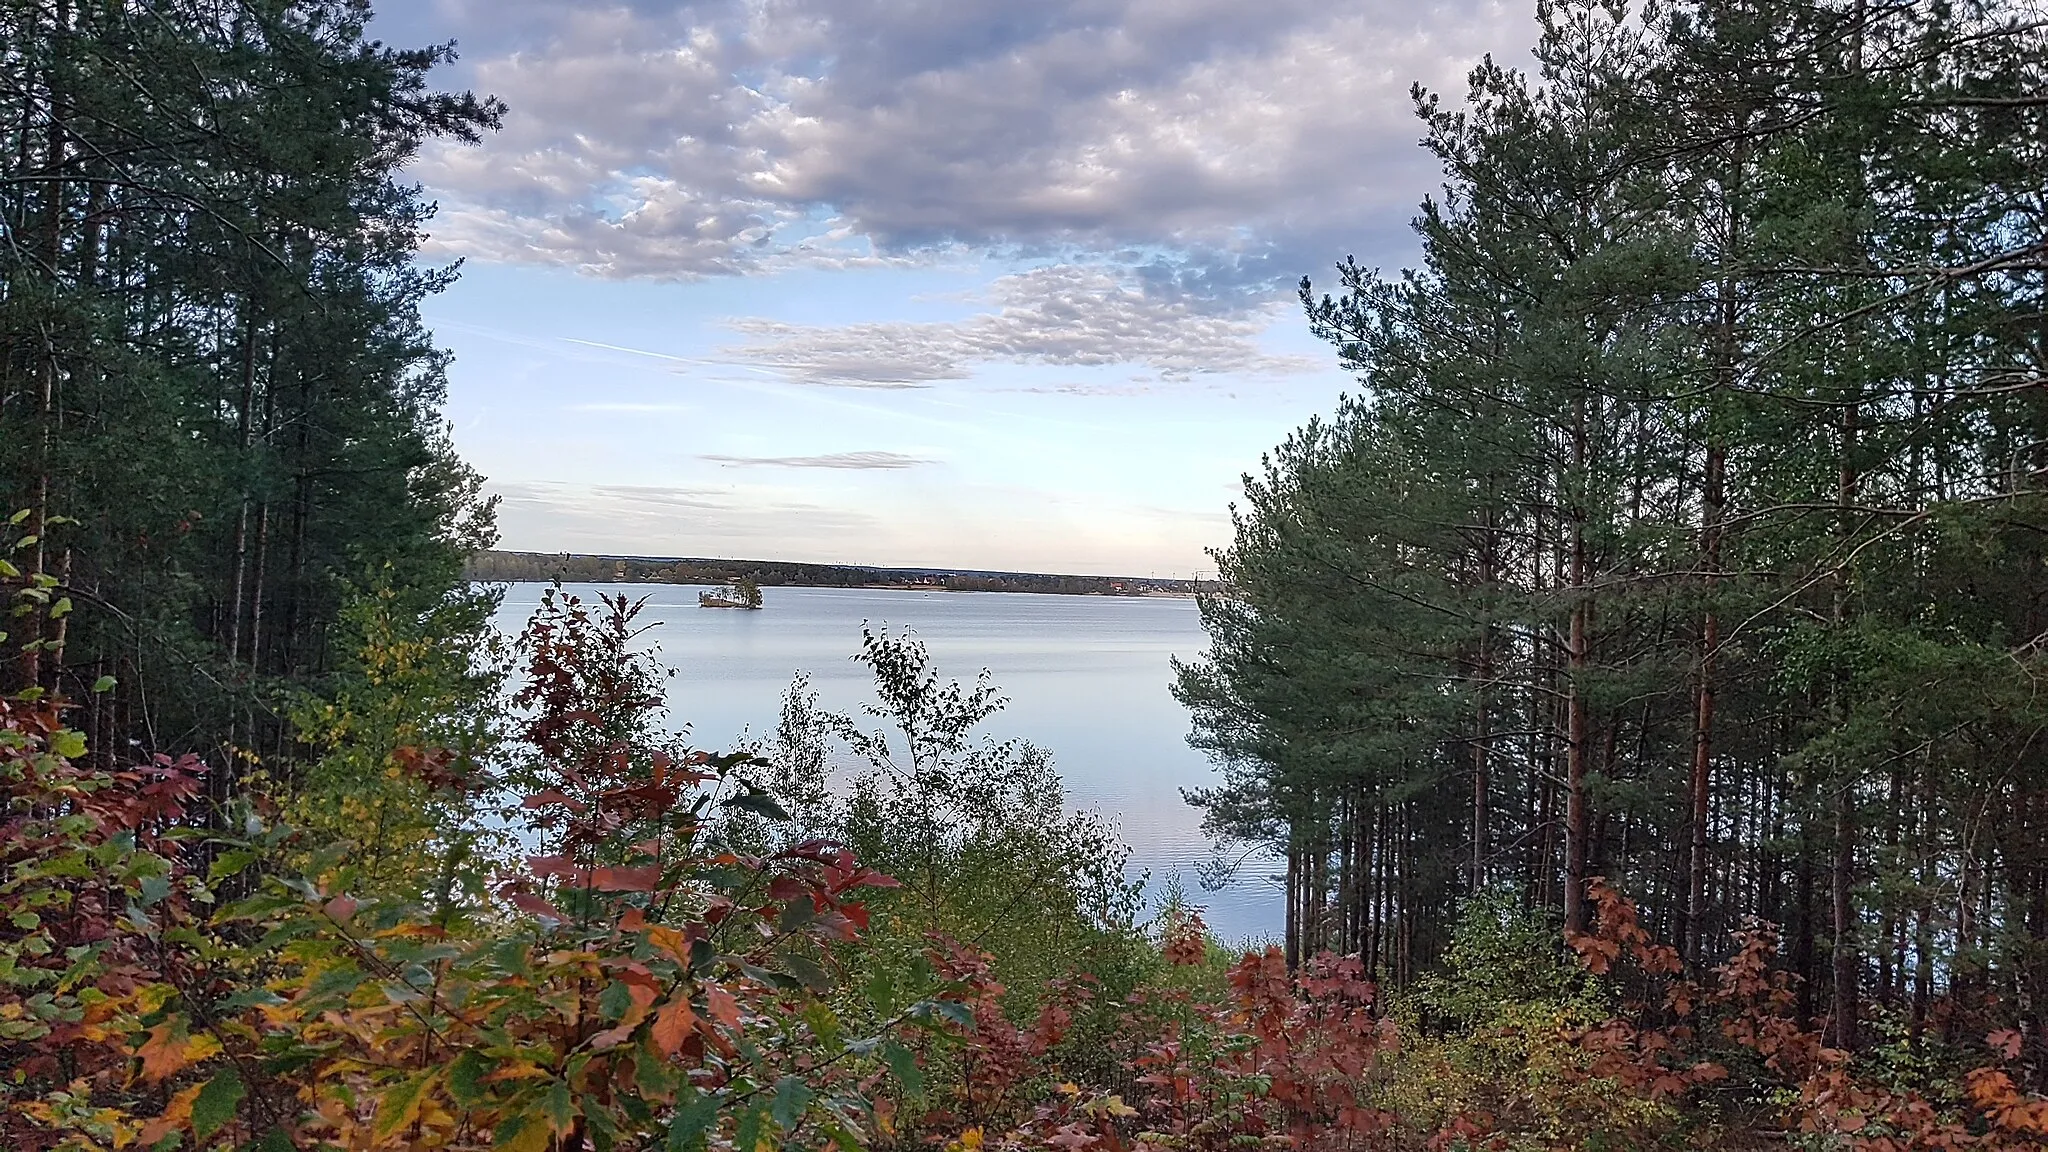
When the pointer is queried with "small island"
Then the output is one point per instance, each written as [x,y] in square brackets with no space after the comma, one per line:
[741,593]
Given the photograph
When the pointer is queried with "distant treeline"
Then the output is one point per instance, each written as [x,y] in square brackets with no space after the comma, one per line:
[515,567]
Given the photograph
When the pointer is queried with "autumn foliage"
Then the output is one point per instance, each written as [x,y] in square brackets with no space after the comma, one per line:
[632,987]
[630,981]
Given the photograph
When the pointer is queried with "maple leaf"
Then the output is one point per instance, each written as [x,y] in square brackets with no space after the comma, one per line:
[673,1023]
[644,879]
[722,1006]
[169,1049]
[176,1116]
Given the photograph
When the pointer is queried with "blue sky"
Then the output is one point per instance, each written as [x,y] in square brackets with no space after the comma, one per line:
[973,283]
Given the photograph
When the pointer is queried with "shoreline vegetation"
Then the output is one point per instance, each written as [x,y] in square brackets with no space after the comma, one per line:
[502,567]
[1642,673]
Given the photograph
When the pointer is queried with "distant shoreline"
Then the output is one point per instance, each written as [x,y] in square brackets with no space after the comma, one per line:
[501,567]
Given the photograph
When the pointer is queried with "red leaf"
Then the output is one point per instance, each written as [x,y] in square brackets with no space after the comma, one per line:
[546,867]
[536,906]
[554,797]
[721,1005]
[643,879]
[869,878]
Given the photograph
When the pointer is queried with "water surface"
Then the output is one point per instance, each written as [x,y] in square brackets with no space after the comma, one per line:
[1087,678]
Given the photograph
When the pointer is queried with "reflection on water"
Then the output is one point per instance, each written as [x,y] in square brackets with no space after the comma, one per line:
[1087,678]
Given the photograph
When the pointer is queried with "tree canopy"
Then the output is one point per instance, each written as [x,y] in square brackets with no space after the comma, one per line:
[1687,528]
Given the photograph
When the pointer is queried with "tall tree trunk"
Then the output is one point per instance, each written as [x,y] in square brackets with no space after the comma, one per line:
[50,253]
[245,430]
[1693,936]
[1483,675]
[1845,953]
[1577,820]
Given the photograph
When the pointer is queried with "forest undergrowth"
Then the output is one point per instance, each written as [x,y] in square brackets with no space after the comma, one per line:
[643,947]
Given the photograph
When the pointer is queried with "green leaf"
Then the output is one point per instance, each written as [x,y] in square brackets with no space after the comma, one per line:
[760,804]
[881,991]
[20,517]
[251,998]
[61,608]
[217,1103]
[68,744]
[807,970]
[559,1107]
[795,915]
[153,890]
[615,1001]
[952,1010]
[686,1132]
[792,1097]
[104,685]
[230,863]
[747,1133]
[466,1077]
[8,571]
[520,1132]
[26,542]
[824,1024]
[903,1063]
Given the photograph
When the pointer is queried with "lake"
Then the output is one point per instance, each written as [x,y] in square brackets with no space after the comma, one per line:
[1087,678]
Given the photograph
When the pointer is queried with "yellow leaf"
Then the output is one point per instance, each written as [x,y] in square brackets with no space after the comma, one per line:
[401,1103]
[174,1119]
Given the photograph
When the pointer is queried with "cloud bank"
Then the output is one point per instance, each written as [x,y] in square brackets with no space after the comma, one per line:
[1067,316]
[1209,147]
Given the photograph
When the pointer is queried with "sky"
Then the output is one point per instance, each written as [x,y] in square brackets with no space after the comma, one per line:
[996,284]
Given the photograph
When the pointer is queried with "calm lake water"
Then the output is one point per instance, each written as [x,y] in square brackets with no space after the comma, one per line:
[1087,678]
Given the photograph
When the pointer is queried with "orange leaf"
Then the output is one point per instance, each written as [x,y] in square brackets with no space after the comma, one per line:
[176,1116]
[169,1050]
[676,944]
[672,1025]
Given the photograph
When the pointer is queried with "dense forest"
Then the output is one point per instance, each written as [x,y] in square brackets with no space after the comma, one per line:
[1637,676]
[218,406]
[1689,528]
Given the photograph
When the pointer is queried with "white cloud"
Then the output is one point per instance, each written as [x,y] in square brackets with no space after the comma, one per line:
[843,461]
[1219,142]
[677,521]
[1064,315]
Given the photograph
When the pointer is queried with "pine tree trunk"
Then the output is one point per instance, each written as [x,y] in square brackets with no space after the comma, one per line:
[1692,937]
[1846,958]
[1577,820]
